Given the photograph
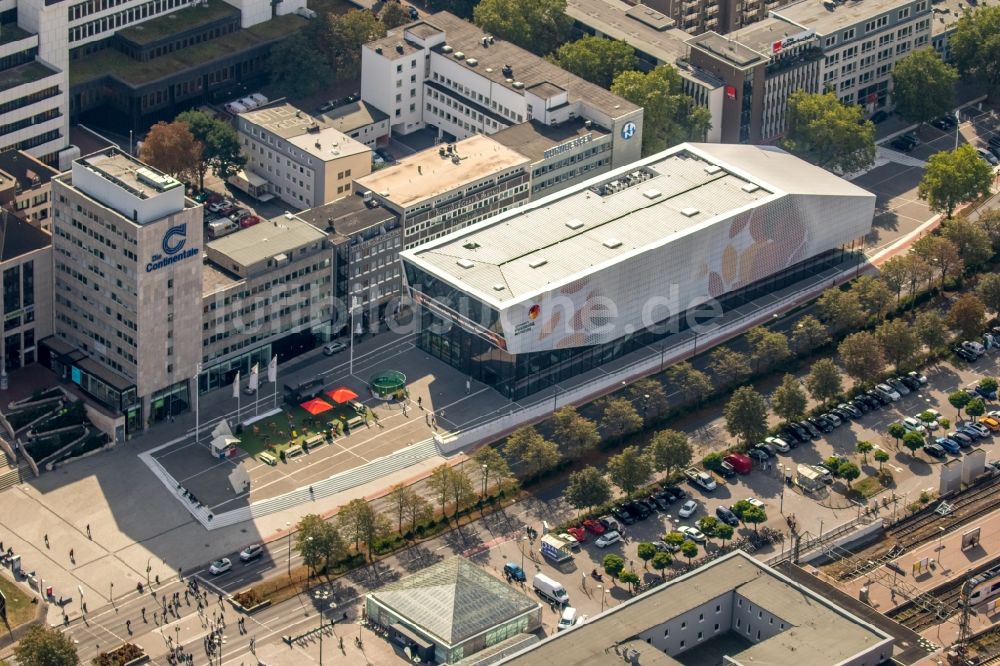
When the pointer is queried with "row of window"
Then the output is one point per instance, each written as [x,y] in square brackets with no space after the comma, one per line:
[121,19]
[30,98]
[508,113]
[269,139]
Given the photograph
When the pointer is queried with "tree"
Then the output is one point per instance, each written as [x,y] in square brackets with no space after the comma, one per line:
[893,273]
[573,432]
[931,329]
[652,396]
[689,549]
[974,46]
[539,26]
[989,384]
[670,451]
[346,35]
[864,447]
[440,482]
[690,382]
[941,255]
[746,415]
[613,565]
[669,116]
[913,441]
[740,508]
[619,418]
[221,150]
[495,467]
[41,646]
[989,221]
[916,270]
[661,561]
[767,347]
[954,177]
[988,291]
[975,408]
[460,490]
[709,525]
[171,148]
[874,294]
[712,461]
[630,578]
[829,133]
[318,542]
[824,381]
[587,488]
[360,523]
[755,515]
[898,340]
[959,400]
[418,511]
[394,15]
[923,86]
[841,310]
[881,457]
[788,401]
[461,8]
[729,366]
[968,315]
[536,453]
[848,471]
[596,59]
[974,244]
[646,551]
[724,532]
[862,356]
[401,496]
[809,335]
[630,469]
[297,68]
[897,432]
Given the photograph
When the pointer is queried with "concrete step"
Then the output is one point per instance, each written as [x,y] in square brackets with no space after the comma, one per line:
[10,477]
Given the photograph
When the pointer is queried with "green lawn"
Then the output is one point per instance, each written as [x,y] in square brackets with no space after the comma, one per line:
[292,426]
[866,487]
[179,21]
[19,607]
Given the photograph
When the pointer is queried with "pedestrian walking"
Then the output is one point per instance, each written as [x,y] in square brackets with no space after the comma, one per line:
[144,615]
[404,409]
[427,417]
[156,617]
[71,554]
[88,531]
[46,541]
[128,627]
[420,402]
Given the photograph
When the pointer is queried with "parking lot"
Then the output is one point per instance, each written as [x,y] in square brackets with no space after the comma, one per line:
[913,474]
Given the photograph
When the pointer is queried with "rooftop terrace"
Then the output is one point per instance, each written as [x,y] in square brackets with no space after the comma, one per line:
[180,21]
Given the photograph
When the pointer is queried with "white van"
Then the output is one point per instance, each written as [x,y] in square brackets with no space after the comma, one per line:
[260,99]
[221,227]
[568,618]
[235,108]
[550,589]
[249,102]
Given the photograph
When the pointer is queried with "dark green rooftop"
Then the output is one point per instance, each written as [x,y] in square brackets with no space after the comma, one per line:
[26,73]
[177,22]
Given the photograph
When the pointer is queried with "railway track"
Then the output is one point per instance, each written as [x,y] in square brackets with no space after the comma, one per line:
[937,605]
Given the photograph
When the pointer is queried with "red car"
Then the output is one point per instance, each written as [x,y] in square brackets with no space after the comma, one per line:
[249,221]
[593,527]
[577,533]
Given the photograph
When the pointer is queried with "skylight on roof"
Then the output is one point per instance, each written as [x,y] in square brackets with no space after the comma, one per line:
[652,193]
[538,262]
[689,212]
[465,263]
[713,169]
[574,224]
[750,187]
[612,243]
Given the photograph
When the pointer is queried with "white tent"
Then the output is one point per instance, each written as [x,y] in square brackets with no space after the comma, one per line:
[221,445]
[222,429]
[239,478]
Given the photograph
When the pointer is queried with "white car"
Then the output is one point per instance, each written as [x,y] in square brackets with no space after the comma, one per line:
[755,502]
[778,444]
[607,539]
[692,533]
[687,509]
[995,414]
[914,425]
[570,540]
[931,424]
[887,392]
[919,377]
[220,566]
[251,552]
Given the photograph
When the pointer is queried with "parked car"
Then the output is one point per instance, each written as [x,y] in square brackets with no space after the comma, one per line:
[249,221]
[821,424]
[791,436]
[990,422]
[888,392]
[727,516]
[801,431]
[935,450]
[964,440]
[986,393]
[755,502]
[514,572]
[220,566]
[778,444]
[948,444]
[758,455]
[610,523]
[673,493]
[964,354]
[842,414]
[607,539]
[974,347]
[905,143]
[900,387]
[692,533]
[766,448]
[919,377]
[622,515]
[664,547]
[910,382]
[914,425]
[593,526]
[660,501]
[688,509]
[834,420]
[879,117]
[739,462]
[979,428]
[640,509]
[988,156]
[882,400]
[813,431]
[945,123]
[251,552]
[578,533]
[861,405]
[726,470]
[852,411]
[412,12]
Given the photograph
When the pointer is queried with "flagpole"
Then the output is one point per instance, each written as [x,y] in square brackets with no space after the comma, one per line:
[197,415]
[352,335]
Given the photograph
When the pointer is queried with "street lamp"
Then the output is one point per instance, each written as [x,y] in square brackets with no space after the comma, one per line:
[645,405]
[523,539]
[941,533]
[485,477]
[781,509]
[288,526]
[601,588]
[112,594]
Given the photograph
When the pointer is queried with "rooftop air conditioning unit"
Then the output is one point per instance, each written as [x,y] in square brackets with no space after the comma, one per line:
[446,49]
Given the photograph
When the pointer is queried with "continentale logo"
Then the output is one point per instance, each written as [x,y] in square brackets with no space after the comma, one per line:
[174,239]
[534,311]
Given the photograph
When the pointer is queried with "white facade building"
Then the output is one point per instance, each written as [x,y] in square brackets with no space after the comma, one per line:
[444,72]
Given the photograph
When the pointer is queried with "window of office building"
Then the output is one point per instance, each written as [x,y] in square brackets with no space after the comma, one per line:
[12,289]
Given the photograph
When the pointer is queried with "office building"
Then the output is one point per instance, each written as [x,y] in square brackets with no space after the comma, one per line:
[366,241]
[127,250]
[733,610]
[561,155]
[306,161]
[443,72]
[449,187]
[26,267]
[452,610]
[360,121]
[519,301]
[267,291]
[25,187]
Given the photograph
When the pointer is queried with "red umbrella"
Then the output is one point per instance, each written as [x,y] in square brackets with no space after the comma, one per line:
[342,395]
[316,406]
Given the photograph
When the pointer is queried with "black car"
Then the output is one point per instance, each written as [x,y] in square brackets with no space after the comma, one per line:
[638,510]
[802,432]
[674,491]
[844,414]
[880,117]
[813,431]
[791,436]
[766,448]
[945,123]
[902,145]
[646,509]
[726,470]
[727,516]
[879,398]
[964,354]
[822,424]
[872,403]
[659,500]
[385,155]
[861,405]
[622,515]
[910,382]
[935,450]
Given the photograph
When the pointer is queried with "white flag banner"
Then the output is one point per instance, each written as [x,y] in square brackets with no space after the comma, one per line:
[272,370]
[236,385]
[254,377]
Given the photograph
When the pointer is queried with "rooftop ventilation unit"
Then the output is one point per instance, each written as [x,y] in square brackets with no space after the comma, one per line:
[498,287]
[713,169]
[465,263]
[471,62]
[612,243]
[538,262]
[574,224]
[471,245]
[652,194]
[750,187]
[518,85]
[446,49]
[689,212]
[508,71]
[150,177]
[459,55]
